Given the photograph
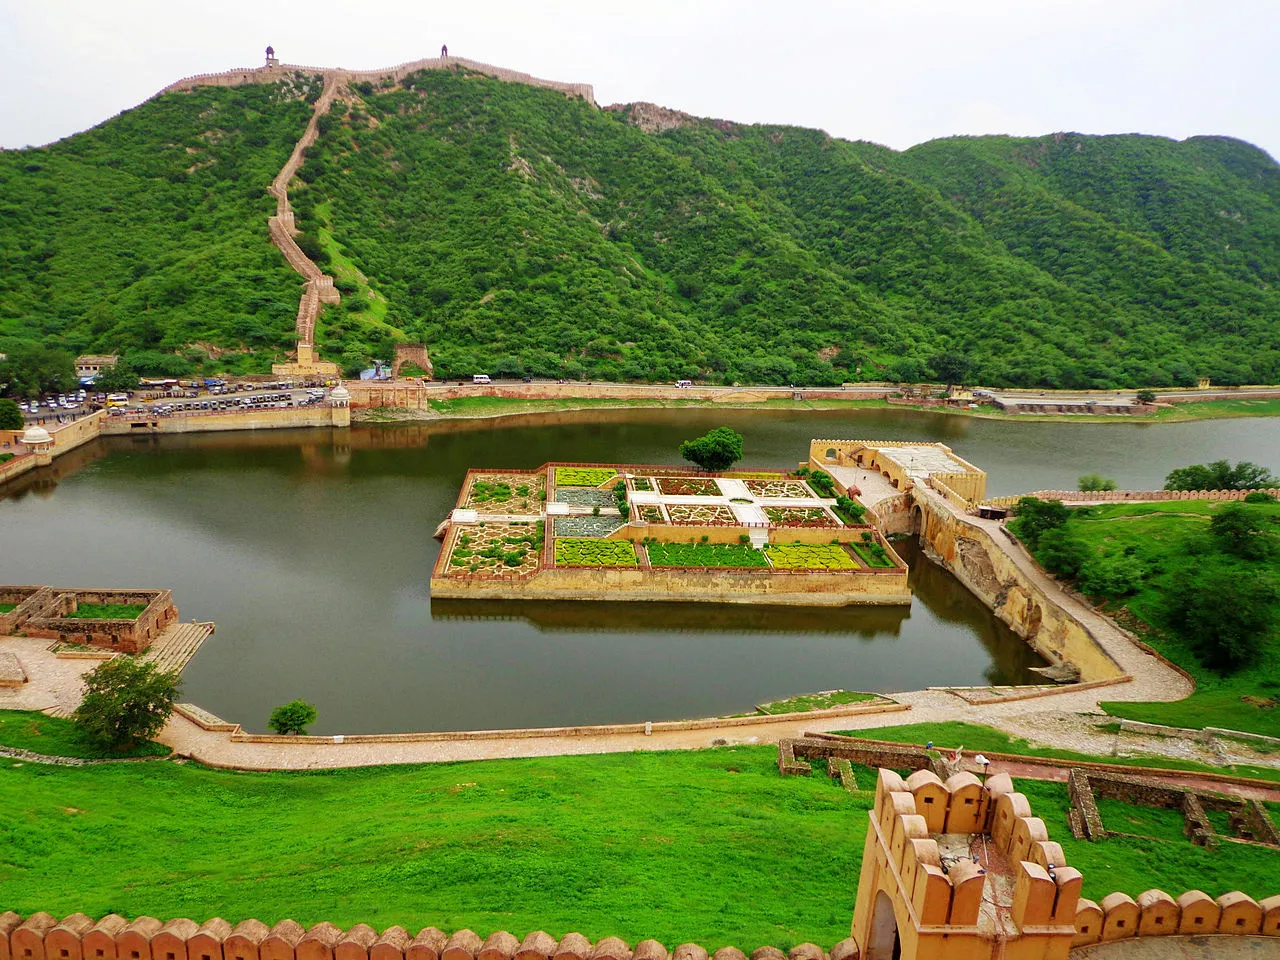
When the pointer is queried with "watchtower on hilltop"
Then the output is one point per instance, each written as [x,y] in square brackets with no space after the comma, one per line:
[272,60]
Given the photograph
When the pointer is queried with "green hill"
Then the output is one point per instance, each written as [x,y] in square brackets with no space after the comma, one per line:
[514,230]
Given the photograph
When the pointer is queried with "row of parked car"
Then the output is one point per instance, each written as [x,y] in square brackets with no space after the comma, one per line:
[63,401]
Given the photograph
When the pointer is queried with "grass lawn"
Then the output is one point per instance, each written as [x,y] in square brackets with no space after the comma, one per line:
[56,737]
[1160,535]
[712,846]
[816,701]
[106,611]
[972,736]
[8,607]
[704,555]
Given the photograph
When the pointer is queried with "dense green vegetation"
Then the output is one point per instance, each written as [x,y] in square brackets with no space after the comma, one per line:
[1198,579]
[514,230]
[148,235]
[704,555]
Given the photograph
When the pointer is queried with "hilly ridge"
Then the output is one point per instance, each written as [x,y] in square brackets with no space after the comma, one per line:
[515,230]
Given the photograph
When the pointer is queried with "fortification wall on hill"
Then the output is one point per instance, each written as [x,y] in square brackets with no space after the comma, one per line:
[243,75]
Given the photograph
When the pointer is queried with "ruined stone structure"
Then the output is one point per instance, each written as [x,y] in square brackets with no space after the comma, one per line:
[43,612]
[962,870]
[415,353]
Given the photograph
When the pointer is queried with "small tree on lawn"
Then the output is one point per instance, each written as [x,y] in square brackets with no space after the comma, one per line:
[718,449]
[126,702]
[10,415]
[292,718]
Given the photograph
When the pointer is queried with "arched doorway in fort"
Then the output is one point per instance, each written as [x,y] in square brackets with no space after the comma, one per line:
[883,942]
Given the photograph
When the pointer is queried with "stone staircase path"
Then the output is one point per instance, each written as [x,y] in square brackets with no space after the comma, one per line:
[175,647]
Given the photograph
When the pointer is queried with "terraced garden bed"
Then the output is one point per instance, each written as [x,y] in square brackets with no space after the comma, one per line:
[872,554]
[583,497]
[703,515]
[492,493]
[106,611]
[778,488]
[642,483]
[586,526]
[498,549]
[688,487]
[799,517]
[595,552]
[810,556]
[730,555]
[584,476]
[651,514]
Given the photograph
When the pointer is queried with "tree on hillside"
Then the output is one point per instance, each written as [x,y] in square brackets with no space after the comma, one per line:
[1220,475]
[292,718]
[31,370]
[718,449]
[1242,532]
[951,367]
[127,700]
[1226,617]
[10,415]
[1092,482]
[120,377]
[1035,517]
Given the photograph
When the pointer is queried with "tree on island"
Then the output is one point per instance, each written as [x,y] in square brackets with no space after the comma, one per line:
[293,717]
[1092,482]
[10,415]
[718,449]
[126,701]
[1220,475]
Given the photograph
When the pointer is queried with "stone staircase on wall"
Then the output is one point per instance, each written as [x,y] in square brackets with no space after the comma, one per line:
[174,648]
[320,287]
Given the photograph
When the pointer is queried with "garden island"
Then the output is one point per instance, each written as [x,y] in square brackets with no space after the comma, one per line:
[629,532]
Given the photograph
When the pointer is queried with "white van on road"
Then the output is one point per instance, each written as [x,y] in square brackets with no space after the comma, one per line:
[480,378]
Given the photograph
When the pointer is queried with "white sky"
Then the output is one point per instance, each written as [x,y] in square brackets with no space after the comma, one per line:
[896,72]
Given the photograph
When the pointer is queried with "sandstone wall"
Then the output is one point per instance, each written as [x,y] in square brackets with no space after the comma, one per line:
[988,570]
[215,421]
[738,586]
[80,937]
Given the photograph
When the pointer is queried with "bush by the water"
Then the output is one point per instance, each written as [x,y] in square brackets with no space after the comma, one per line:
[127,701]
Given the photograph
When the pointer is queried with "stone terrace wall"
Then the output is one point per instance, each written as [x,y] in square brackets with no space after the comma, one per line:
[1120,496]
[80,937]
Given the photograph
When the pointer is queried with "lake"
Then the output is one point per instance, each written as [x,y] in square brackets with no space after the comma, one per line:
[312,551]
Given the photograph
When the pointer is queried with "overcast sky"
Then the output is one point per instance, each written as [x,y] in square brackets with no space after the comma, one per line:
[896,72]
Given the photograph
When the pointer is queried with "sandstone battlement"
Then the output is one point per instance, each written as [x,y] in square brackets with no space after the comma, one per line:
[79,937]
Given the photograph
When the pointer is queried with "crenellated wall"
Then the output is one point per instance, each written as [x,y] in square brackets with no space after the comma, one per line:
[922,897]
[41,936]
[1121,496]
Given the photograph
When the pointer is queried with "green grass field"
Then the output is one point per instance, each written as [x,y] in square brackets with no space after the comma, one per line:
[1161,535]
[712,846]
[107,611]
[55,737]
